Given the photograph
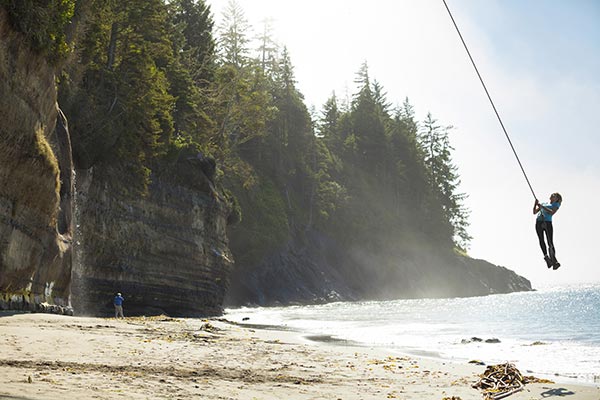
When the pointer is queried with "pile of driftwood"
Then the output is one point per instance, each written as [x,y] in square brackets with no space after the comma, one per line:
[500,381]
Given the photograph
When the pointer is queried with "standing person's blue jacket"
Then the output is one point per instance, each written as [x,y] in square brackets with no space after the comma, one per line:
[118,301]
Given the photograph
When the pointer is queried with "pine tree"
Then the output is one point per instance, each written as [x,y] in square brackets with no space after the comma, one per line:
[329,125]
[409,177]
[120,108]
[233,39]
[367,124]
[444,177]
[192,71]
[291,129]
[198,51]
[268,48]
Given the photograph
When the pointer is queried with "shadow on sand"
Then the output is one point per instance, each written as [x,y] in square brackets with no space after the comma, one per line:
[559,392]
[10,314]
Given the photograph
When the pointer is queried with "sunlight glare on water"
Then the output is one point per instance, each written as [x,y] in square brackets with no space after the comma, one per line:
[552,331]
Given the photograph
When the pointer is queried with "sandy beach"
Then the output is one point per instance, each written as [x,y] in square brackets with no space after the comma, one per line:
[45,356]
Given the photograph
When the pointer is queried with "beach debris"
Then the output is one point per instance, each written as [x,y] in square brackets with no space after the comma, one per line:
[502,380]
[475,339]
[476,362]
[452,398]
[208,327]
[533,379]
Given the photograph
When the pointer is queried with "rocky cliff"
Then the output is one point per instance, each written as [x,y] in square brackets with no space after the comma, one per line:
[314,268]
[35,226]
[71,239]
[166,252]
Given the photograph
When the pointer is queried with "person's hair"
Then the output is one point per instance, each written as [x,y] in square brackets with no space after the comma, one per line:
[558,195]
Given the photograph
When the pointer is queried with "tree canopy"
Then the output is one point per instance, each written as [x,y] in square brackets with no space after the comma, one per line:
[150,79]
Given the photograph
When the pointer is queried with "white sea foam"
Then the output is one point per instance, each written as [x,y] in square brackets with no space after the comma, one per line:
[555,331]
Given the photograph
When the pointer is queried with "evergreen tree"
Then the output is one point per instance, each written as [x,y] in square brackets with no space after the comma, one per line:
[444,178]
[243,107]
[380,97]
[233,40]
[268,48]
[291,129]
[122,109]
[367,125]
[196,23]
[192,71]
[329,125]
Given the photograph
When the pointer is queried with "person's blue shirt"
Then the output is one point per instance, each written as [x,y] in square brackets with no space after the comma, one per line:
[544,215]
[119,300]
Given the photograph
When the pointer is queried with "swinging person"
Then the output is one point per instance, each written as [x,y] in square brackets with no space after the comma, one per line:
[543,223]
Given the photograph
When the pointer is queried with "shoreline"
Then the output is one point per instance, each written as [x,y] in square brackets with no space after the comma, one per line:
[328,339]
[45,356]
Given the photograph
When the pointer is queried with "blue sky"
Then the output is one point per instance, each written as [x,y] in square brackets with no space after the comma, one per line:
[553,37]
[540,60]
[553,40]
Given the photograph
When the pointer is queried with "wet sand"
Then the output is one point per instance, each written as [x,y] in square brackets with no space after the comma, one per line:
[46,356]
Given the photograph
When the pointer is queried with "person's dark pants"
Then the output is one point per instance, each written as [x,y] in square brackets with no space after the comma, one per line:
[540,228]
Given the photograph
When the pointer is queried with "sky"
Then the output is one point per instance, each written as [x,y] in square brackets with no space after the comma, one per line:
[540,60]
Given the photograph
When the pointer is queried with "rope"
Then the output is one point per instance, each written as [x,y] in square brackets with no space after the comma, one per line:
[490,99]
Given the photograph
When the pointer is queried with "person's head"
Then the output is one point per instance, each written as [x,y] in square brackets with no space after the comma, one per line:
[118,294]
[555,197]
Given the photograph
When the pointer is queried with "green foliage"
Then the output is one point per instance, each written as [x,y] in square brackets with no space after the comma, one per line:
[234,39]
[44,152]
[242,108]
[43,22]
[194,20]
[192,71]
[152,83]
[264,227]
[444,178]
[122,109]
[236,210]
[368,124]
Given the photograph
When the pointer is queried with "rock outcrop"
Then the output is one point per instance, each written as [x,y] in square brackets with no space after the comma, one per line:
[35,254]
[69,242]
[314,268]
[166,252]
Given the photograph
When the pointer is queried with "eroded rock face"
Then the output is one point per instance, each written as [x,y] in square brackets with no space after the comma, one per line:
[317,270]
[166,252]
[35,258]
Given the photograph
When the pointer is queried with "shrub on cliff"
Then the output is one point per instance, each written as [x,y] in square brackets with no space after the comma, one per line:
[43,23]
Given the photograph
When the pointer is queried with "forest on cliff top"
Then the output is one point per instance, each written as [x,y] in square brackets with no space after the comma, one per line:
[146,82]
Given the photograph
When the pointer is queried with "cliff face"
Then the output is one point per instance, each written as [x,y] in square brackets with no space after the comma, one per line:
[313,268]
[35,262]
[70,239]
[166,252]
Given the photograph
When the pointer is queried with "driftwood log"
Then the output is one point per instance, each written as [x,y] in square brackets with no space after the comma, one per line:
[502,380]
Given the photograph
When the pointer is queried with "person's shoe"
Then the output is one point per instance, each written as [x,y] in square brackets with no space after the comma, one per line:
[555,265]
[548,261]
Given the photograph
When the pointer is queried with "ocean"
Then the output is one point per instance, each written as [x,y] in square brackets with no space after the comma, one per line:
[552,332]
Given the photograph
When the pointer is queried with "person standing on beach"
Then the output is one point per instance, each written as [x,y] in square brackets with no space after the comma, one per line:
[118,302]
[543,223]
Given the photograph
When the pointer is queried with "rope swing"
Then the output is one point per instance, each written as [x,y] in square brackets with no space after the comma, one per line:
[490,99]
